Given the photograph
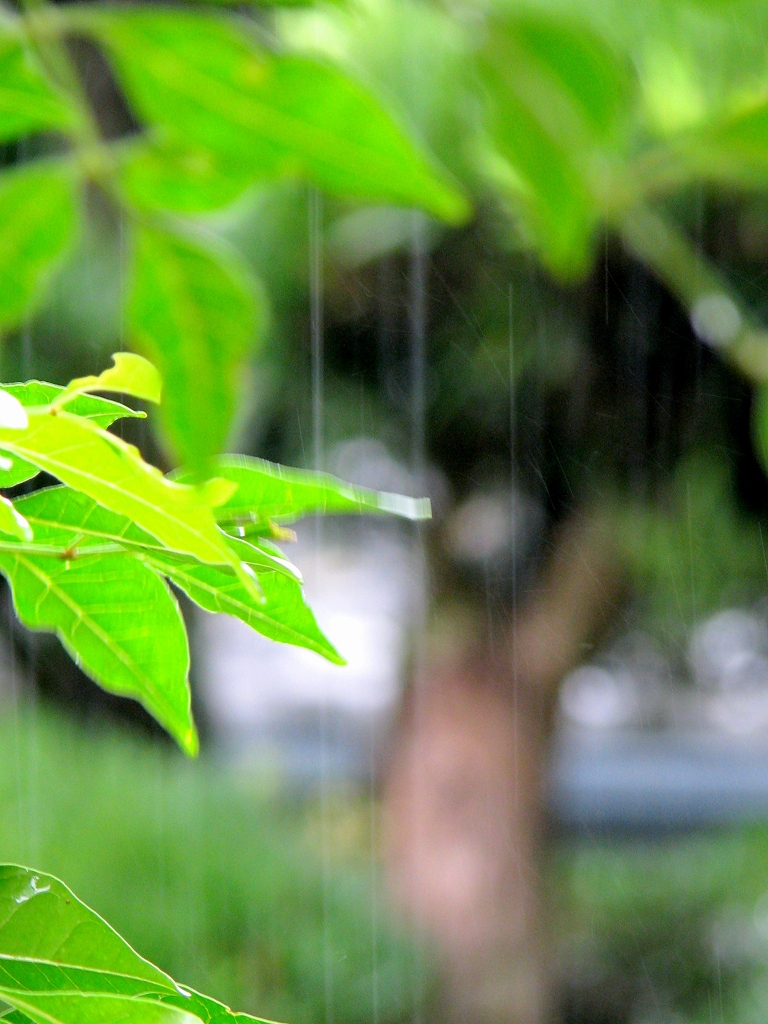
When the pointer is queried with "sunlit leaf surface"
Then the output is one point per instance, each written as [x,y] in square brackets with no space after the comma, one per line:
[268,492]
[112,612]
[60,963]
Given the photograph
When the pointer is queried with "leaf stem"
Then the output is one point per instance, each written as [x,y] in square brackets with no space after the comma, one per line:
[717,314]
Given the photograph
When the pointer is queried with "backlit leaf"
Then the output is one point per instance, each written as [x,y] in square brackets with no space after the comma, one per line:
[12,522]
[269,493]
[117,619]
[283,616]
[130,375]
[60,963]
[113,473]
[195,314]
[37,221]
[101,411]
[204,81]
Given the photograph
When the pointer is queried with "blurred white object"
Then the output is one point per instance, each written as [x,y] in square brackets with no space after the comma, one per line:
[728,656]
[596,698]
[363,581]
[624,689]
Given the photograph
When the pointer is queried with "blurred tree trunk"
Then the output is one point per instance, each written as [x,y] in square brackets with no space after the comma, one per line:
[464,803]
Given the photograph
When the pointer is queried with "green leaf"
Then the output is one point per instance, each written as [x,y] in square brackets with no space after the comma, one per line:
[268,493]
[66,519]
[12,522]
[100,411]
[195,314]
[558,106]
[40,919]
[115,616]
[60,963]
[162,172]
[112,472]
[203,80]
[282,616]
[37,222]
[130,375]
[27,102]
[731,149]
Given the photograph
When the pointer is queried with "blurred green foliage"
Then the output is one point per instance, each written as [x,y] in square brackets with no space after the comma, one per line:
[214,871]
[669,928]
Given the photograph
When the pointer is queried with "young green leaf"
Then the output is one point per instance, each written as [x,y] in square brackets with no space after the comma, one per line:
[195,314]
[113,473]
[130,375]
[282,616]
[64,519]
[12,522]
[27,102]
[205,81]
[268,493]
[117,619]
[100,411]
[37,222]
[41,919]
[60,963]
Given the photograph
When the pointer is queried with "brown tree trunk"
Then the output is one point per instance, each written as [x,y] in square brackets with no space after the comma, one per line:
[464,797]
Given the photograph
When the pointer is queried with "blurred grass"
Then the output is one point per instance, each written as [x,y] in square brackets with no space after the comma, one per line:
[670,929]
[213,873]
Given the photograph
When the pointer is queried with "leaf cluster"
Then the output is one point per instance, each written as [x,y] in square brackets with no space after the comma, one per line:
[91,558]
[213,111]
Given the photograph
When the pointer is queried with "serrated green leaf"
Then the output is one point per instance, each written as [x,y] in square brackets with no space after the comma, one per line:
[282,616]
[112,472]
[101,411]
[195,314]
[268,493]
[27,102]
[205,81]
[117,619]
[37,222]
[130,374]
[60,963]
